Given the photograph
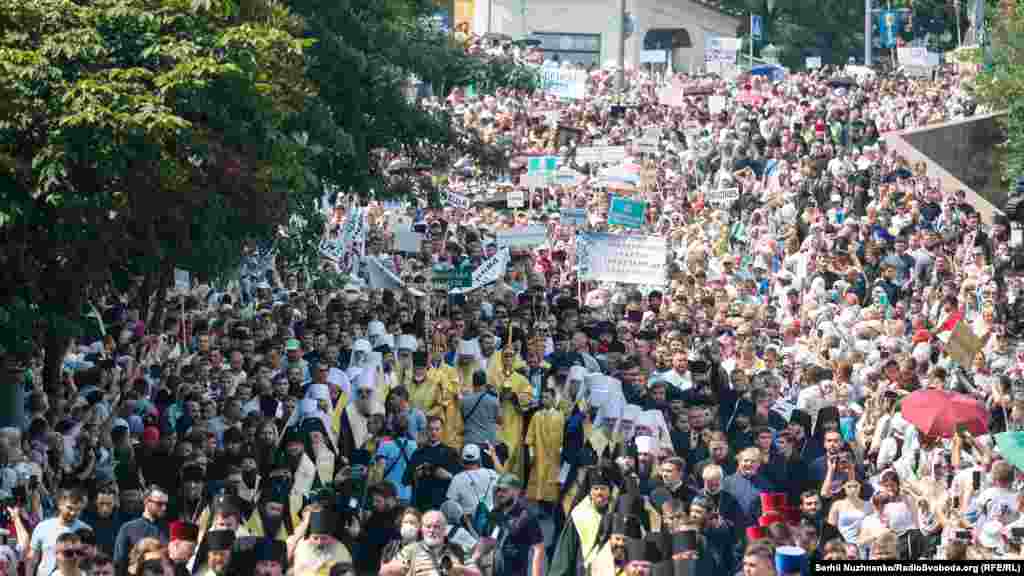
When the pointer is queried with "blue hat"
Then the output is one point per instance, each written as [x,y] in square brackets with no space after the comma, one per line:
[790,560]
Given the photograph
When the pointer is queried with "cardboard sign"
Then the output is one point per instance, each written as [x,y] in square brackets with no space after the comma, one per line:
[458,201]
[622,259]
[601,155]
[516,199]
[627,212]
[564,83]
[522,237]
[725,196]
[573,216]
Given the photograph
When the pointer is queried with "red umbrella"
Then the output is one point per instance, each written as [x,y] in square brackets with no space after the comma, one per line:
[940,413]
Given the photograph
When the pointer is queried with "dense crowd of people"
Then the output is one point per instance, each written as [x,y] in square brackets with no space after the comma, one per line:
[824,374]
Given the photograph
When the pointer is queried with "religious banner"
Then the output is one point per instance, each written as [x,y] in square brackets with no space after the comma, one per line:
[620,258]
[564,83]
[380,277]
[491,269]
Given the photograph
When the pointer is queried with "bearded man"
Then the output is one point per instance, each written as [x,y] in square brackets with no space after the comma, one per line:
[430,556]
[319,551]
[611,558]
[578,543]
[268,521]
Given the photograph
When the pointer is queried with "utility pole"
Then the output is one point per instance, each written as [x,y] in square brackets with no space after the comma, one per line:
[867,33]
[620,74]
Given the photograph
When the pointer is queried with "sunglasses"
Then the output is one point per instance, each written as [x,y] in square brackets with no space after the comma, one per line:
[72,553]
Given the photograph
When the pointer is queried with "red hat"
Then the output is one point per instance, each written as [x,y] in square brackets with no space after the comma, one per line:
[773,502]
[151,436]
[754,533]
[766,520]
[184,531]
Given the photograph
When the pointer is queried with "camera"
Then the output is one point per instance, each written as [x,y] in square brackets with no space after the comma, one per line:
[446,565]
[425,470]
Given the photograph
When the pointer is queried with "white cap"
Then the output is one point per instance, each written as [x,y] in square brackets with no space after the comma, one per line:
[471,453]
[362,345]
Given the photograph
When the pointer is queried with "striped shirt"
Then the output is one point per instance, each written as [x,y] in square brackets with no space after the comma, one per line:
[422,560]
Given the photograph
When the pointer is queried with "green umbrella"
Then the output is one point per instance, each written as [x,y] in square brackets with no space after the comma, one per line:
[1011,446]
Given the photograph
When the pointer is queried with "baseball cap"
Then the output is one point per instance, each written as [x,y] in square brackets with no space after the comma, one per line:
[292,344]
[471,453]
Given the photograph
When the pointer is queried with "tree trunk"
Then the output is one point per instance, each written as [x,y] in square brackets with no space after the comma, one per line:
[12,394]
[56,345]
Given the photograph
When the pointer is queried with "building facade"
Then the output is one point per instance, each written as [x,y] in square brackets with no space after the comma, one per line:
[590,31]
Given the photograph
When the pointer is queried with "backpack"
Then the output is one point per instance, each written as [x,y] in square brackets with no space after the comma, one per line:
[478,519]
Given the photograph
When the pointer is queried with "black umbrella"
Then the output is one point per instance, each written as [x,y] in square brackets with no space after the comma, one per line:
[842,82]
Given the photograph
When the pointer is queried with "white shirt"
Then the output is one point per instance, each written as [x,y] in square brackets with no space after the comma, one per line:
[470,487]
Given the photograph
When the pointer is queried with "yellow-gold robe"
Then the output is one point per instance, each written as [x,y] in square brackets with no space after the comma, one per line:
[545,437]
[512,429]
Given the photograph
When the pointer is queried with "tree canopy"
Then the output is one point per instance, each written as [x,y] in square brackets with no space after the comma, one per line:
[834,29]
[140,135]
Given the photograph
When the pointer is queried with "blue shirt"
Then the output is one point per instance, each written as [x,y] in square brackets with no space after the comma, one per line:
[44,542]
[390,451]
